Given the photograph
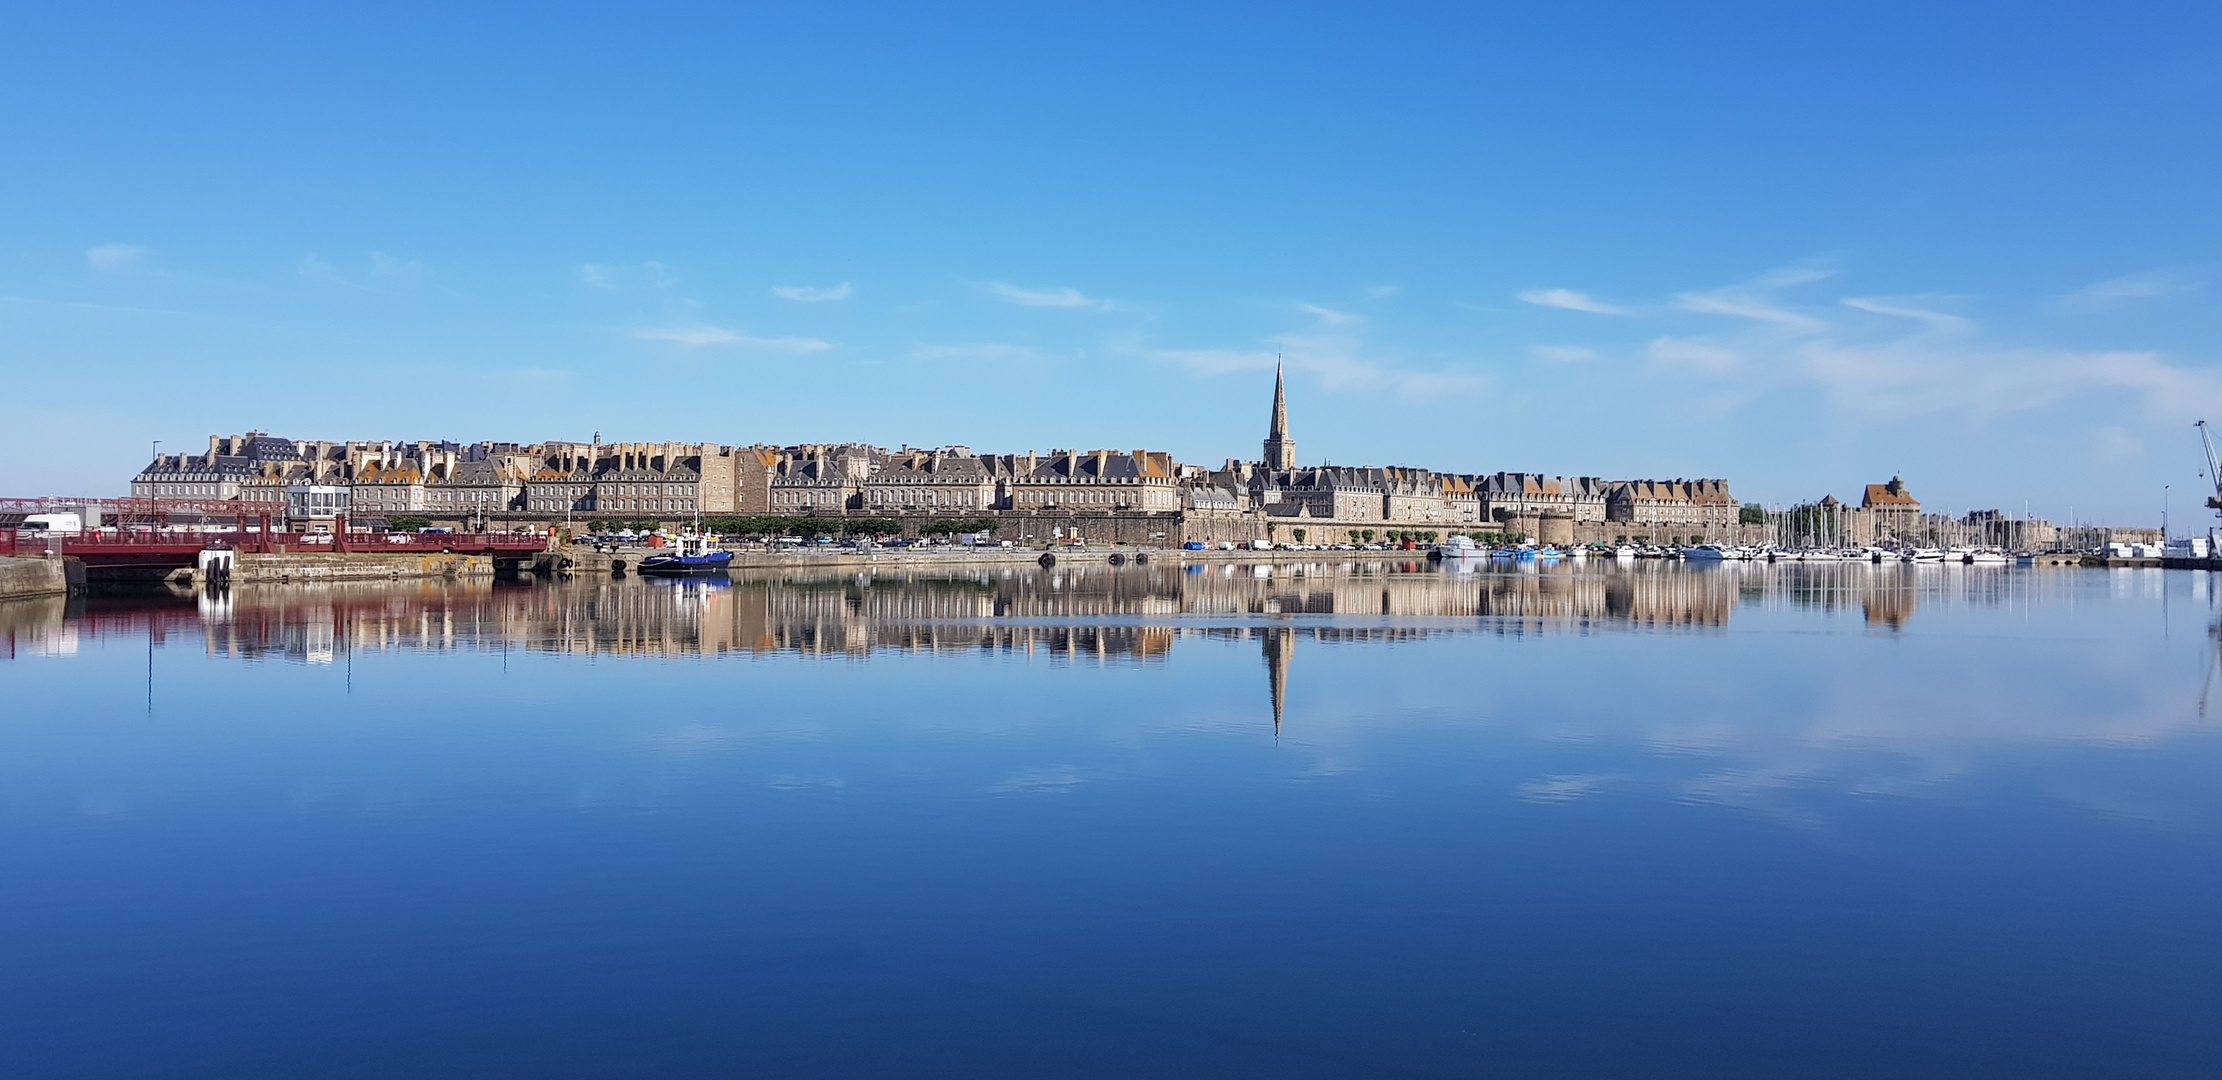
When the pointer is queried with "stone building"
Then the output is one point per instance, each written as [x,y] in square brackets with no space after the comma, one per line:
[946,481]
[823,478]
[231,465]
[1131,496]
[1513,496]
[1703,506]
[1895,513]
[1144,480]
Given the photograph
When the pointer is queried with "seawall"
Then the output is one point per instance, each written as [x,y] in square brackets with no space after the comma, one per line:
[32,577]
[297,567]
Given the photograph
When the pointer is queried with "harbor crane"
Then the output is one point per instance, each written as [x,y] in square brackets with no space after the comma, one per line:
[2214,467]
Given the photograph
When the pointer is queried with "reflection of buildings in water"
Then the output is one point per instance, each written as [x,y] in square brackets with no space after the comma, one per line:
[1890,607]
[35,626]
[1096,613]
[1640,595]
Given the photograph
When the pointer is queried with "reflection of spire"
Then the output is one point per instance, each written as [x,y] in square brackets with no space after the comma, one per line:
[1280,645]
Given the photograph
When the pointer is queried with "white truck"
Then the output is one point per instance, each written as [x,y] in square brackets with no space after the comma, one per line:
[54,524]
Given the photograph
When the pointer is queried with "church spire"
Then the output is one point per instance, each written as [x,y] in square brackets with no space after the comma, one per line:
[1280,450]
[1279,430]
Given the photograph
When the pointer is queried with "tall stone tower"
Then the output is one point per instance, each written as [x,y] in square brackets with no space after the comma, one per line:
[1280,450]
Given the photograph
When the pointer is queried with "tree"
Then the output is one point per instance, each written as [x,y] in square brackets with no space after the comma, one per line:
[1752,514]
[1368,534]
[408,524]
[1299,534]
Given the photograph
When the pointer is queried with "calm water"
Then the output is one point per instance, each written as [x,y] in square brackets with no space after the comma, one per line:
[1307,821]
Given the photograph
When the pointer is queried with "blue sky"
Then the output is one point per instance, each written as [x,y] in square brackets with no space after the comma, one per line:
[1802,250]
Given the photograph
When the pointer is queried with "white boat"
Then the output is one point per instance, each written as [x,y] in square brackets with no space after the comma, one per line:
[1989,557]
[1458,549]
[1624,551]
[1704,553]
[1927,555]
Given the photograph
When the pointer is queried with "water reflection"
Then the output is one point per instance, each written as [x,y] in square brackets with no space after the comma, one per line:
[1893,784]
[1097,613]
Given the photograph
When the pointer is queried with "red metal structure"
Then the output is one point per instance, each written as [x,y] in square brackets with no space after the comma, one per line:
[135,537]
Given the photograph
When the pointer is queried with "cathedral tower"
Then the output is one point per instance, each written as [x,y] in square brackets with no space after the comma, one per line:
[1280,450]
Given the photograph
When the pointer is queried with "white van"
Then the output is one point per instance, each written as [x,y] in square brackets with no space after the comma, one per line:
[55,524]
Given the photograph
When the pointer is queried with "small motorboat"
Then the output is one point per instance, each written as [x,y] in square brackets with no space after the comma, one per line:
[1705,553]
[694,556]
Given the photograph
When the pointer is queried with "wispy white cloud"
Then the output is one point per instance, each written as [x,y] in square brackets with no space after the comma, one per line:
[315,269]
[1051,298]
[981,351]
[2152,285]
[81,305]
[1382,292]
[614,277]
[115,258]
[1744,303]
[1339,361]
[2115,444]
[386,266]
[695,337]
[1329,316]
[1942,364]
[1563,354]
[807,294]
[1903,308]
[1919,375]
[1569,300]
[1697,356]
[1796,274]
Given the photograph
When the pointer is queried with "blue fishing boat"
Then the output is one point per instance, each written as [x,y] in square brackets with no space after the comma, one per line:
[694,556]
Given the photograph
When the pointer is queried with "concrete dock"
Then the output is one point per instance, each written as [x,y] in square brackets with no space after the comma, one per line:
[33,577]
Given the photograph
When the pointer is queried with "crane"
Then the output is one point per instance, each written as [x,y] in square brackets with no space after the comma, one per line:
[2214,467]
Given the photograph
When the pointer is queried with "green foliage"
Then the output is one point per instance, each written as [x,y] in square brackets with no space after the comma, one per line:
[1368,534]
[408,524]
[1299,534]
[1752,514]
[806,527]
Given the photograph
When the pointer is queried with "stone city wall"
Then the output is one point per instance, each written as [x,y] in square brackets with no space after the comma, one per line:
[327,566]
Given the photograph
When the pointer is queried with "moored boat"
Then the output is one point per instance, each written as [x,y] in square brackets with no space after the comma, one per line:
[694,556]
[1457,548]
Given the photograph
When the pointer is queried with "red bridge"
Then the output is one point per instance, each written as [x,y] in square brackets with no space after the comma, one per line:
[140,540]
